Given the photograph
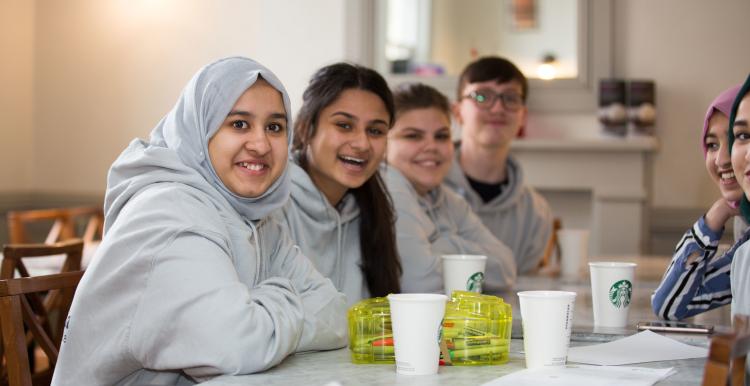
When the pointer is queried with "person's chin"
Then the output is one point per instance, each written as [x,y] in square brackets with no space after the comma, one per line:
[352,182]
[732,196]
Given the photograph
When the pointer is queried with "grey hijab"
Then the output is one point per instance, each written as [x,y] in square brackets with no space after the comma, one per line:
[178,148]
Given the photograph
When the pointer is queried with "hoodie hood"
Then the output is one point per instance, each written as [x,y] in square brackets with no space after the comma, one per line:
[722,104]
[177,150]
[310,200]
[327,235]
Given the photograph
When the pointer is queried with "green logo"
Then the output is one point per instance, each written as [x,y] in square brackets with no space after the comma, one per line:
[620,292]
[474,284]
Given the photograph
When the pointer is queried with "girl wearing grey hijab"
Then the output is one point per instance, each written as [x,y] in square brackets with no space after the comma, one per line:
[193,279]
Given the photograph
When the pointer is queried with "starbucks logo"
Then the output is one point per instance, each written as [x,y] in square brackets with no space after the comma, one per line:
[474,284]
[620,292]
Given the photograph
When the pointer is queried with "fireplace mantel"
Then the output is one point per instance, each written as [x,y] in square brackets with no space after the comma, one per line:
[609,178]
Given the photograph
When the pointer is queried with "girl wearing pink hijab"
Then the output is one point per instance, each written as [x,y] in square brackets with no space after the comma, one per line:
[696,280]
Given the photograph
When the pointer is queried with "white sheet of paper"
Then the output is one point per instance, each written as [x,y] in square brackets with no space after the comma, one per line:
[583,375]
[646,346]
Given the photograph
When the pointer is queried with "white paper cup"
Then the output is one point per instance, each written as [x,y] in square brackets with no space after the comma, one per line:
[547,318]
[463,273]
[574,251]
[611,292]
[417,325]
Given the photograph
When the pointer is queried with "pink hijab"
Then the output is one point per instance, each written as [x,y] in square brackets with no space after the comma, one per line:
[723,104]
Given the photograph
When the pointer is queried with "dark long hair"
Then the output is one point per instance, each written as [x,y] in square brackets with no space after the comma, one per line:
[377,237]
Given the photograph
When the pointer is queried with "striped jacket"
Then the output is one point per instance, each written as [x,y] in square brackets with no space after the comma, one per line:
[688,289]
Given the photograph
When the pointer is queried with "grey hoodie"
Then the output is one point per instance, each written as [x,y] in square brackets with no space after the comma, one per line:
[190,280]
[328,236]
[441,223]
[519,216]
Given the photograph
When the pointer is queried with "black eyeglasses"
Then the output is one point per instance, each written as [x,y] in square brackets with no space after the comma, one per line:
[485,99]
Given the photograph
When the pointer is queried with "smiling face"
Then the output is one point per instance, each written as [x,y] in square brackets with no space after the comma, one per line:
[249,151]
[718,163]
[741,146]
[494,125]
[348,144]
[419,145]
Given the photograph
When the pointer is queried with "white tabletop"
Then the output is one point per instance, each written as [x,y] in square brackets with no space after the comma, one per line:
[333,368]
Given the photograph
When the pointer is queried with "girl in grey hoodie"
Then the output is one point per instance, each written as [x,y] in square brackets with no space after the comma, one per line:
[433,220]
[193,279]
[340,213]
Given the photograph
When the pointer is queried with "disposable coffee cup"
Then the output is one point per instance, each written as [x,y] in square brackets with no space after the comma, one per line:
[417,320]
[463,273]
[547,318]
[611,292]
[574,251]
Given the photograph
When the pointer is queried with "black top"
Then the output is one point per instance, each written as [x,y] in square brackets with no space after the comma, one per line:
[487,191]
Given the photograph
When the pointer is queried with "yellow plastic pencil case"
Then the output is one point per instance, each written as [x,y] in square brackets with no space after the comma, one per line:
[476,330]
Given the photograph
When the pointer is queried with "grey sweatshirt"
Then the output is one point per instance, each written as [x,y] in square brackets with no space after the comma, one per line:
[519,216]
[190,281]
[328,235]
[441,223]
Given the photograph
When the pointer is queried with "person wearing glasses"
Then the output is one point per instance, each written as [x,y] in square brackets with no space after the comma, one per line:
[490,108]
[432,220]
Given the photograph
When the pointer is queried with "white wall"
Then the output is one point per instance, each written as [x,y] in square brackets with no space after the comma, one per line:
[16,98]
[693,49]
[80,78]
[107,71]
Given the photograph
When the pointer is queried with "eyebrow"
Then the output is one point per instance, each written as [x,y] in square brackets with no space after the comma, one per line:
[352,117]
[740,122]
[249,114]
[410,128]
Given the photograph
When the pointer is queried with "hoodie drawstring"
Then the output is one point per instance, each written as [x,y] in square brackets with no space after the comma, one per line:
[254,235]
[339,241]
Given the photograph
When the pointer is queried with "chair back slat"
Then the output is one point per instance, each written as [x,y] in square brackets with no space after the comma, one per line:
[16,312]
[38,330]
[13,255]
[64,222]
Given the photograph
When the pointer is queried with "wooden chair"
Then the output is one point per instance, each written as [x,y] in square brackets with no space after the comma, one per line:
[49,308]
[65,224]
[17,314]
[727,354]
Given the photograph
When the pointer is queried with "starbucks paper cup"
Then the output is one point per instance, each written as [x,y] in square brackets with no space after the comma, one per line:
[463,273]
[611,292]
[547,318]
[417,325]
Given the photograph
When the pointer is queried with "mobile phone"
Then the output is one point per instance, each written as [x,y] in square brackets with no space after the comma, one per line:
[670,326]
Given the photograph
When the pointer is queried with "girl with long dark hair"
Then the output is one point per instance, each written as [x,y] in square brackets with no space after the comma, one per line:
[340,213]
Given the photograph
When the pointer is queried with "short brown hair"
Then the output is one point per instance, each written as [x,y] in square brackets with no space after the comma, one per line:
[494,68]
[412,96]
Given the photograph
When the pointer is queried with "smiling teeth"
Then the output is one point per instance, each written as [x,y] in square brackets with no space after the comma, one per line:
[352,159]
[253,166]
[727,175]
